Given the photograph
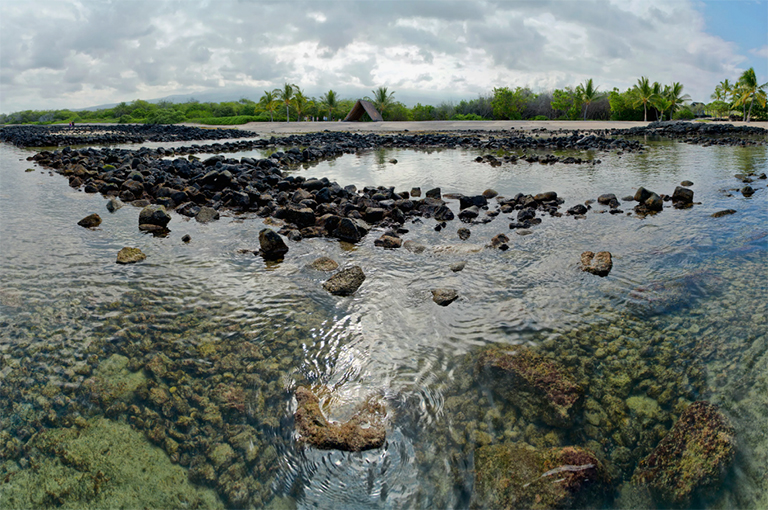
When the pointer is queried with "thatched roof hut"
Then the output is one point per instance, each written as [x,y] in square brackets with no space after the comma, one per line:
[362,106]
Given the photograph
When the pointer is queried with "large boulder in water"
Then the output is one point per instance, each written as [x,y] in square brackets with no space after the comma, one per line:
[90,221]
[540,388]
[520,476]
[130,256]
[364,431]
[692,458]
[154,215]
[599,264]
[345,282]
[272,245]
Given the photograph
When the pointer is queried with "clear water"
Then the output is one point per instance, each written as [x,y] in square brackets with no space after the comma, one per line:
[691,286]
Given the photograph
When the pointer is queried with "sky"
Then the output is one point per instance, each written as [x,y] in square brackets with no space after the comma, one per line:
[80,53]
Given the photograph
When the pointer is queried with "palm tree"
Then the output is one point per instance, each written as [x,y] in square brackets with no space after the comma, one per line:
[381,100]
[285,95]
[722,91]
[331,101]
[300,102]
[268,102]
[676,97]
[748,89]
[662,102]
[587,92]
[644,93]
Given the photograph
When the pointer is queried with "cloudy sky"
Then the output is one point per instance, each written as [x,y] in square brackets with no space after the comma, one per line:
[80,53]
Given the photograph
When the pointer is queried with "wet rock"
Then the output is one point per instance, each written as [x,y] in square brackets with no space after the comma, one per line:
[654,203]
[464,233]
[747,191]
[414,247]
[692,458]
[444,297]
[350,230]
[130,255]
[90,221]
[540,388]
[364,431]
[416,192]
[113,205]
[272,245]
[726,212]
[469,214]
[393,161]
[443,213]
[606,199]
[388,241]
[686,183]
[490,193]
[578,210]
[458,266]
[547,196]
[642,194]
[186,238]
[207,214]
[154,215]
[345,282]
[324,264]
[682,196]
[599,264]
[433,193]
[520,476]
[476,200]
[499,241]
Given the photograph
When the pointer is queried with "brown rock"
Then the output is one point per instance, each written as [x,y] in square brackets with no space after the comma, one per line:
[90,221]
[272,245]
[345,282]
[444,297]
[130,255]
[364,431]
[386,241]
[324,264]
[599,264]
[720,214]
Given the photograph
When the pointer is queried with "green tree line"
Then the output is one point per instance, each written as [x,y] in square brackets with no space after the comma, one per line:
[744,99]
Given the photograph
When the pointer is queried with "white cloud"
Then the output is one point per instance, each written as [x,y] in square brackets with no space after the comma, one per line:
[79,53]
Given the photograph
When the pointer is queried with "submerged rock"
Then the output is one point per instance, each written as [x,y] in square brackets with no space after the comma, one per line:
[113,204]
[520,476]
[444,297]
[464,233]
[272,245]
[693,457]
[599,264]
[90,221]
[324,264]
[130,255]
[540,388]
[388,241]
[364,431]
[207,214]
[414,247]
[720,214]
[345,282]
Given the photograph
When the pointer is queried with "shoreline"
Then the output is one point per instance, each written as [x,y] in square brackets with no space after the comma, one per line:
[444,126]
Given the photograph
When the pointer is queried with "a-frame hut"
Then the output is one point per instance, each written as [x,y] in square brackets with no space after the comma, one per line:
[362,106]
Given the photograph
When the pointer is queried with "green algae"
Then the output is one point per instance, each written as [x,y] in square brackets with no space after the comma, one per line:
[104,464]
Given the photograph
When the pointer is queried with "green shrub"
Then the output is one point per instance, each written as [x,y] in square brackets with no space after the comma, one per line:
[467,116]
[684,114]
[540,117]
[234,120]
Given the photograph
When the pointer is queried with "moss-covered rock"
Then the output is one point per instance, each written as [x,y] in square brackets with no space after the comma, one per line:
[691,458]
[519,476]
[364,431]
[540,388]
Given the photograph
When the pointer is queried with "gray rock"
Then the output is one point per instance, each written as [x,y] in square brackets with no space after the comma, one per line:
[345,282]
[444,297]
[606,198]
[443,213]
[207,214]
[113,205]
[599,264]
[434,193]
[272,245]
[682,195]
[414,247]
[469,214]
[154,215]
[458,266]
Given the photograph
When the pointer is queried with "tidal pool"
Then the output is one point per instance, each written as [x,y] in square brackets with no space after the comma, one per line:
[201,346]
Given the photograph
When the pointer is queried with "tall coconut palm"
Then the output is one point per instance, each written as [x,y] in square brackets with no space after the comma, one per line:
[662,102]
[723,91]
[300,102]
[285,95]
[644,93]
[331,101]
[749,90]
[587,93]
[269,104]
[381,100]
[676,97]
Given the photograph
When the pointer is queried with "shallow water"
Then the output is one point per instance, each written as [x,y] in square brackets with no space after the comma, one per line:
[685,287]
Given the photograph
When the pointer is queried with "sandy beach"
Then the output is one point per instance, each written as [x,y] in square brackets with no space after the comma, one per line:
[445,125]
